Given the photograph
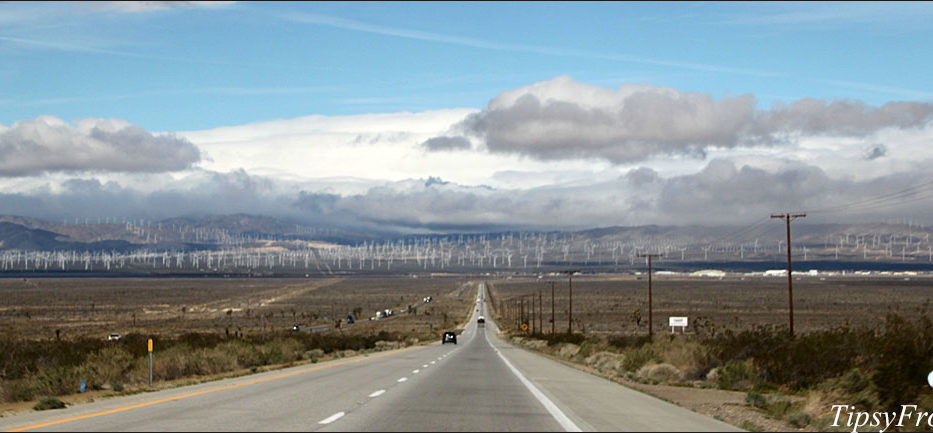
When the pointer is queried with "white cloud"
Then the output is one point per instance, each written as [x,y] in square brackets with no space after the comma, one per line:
[151,6]
[561,119]
[48,144]
[384,147]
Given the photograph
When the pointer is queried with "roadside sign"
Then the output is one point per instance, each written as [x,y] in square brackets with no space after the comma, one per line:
[524,326]
[677,321]
[150,363]
[930,379]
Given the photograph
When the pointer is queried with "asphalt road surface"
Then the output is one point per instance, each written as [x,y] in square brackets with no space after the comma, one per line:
[480,384]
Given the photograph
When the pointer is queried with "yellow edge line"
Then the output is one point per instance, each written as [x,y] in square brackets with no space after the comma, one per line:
[208,391]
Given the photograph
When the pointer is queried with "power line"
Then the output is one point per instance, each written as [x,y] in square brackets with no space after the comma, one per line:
[882,200]
[743,231]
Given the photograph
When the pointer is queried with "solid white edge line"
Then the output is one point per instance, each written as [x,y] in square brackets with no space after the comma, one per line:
[332,418]
[552,408]
[377,393]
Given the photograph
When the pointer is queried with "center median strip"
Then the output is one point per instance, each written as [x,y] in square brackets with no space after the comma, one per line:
[208,391]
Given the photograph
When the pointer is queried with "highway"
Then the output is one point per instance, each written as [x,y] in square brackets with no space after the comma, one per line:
[480,384]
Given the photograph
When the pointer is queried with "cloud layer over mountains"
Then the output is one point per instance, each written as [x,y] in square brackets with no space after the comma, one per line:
[552,155]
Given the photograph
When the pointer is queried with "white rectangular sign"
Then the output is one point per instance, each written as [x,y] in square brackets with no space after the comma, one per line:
[678,321]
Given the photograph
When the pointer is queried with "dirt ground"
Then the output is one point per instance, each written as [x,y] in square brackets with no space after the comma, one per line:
[35,308]
[727,406]
[605,305]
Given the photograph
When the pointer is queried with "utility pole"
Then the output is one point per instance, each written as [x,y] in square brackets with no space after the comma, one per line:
[515,311]
[521,309]
[540,313]
[530,312]
[790,279]
[553,319]
[570,273]
[650,317]
[533,317]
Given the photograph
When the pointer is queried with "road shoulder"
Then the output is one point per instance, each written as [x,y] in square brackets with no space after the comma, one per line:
[598,404]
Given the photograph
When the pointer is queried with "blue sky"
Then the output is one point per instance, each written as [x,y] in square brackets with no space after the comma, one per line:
[436,116]
[197,68]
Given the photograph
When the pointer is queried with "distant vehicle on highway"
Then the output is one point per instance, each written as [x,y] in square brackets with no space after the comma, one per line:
[427,299]
[296,328]
[449,337]
[350,319]
[481,321]
[114,337]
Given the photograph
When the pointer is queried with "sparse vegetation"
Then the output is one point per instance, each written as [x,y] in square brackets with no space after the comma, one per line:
[799,419]
[186,356]
[755,399]
[214,336]
[47,403]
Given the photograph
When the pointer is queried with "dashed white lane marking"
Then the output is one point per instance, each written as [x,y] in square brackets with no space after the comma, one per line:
[416,371]
[377,393]
[403,379]
[424,366]
[433,362]
[332,418]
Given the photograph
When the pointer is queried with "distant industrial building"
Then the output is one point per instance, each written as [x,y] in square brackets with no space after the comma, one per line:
[713,273]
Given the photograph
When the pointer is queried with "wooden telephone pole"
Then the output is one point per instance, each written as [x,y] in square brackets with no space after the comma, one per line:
[540,313]
[553,319]
[790,279]
[570,273]
[521,311]
[524,323]
[650,317]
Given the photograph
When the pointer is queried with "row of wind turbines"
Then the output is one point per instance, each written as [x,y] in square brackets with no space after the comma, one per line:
[517,251]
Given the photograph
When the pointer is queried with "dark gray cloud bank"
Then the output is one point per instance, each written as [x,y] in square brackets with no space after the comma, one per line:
[563,119]
[48,144]
[720,194]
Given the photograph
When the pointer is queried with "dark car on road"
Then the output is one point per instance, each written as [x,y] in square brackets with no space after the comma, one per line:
[449,337]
